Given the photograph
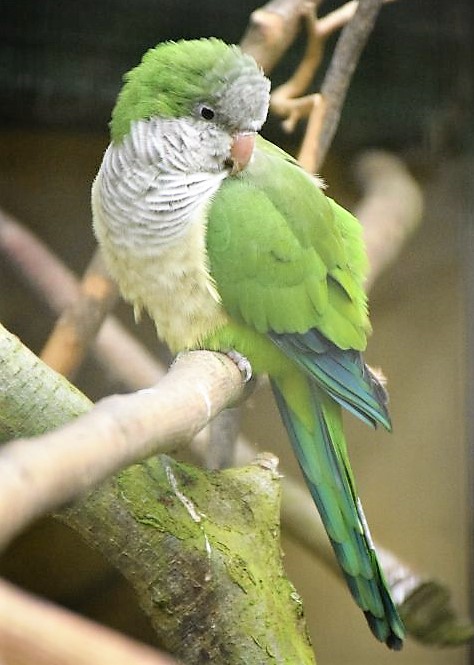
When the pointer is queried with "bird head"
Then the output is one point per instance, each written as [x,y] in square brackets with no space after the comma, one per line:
[213,94]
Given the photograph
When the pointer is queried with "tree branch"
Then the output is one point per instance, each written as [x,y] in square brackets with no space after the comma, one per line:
[36,475]
[390,209]
[325,116]
[35,631]
[115,348]
[202,551]
[166,526]
[272,29]
[79,323]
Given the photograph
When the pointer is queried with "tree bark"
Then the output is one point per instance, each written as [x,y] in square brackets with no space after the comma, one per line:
[201,548]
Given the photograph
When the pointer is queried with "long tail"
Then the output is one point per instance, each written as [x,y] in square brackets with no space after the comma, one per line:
[322,455]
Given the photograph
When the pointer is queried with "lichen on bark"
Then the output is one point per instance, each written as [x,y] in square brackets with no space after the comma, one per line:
[200,548]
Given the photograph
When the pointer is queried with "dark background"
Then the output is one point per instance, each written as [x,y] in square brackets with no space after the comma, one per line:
[61,64]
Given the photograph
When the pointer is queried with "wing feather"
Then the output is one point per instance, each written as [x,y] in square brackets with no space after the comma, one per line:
[285,257]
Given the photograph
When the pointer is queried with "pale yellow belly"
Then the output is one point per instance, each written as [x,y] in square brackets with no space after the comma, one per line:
[173,285]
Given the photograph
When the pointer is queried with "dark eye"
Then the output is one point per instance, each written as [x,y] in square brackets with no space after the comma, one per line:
[206,112]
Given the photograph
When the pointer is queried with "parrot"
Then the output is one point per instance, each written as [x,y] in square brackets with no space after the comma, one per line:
[231,246]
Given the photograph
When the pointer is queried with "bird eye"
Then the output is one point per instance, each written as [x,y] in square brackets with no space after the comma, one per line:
[206,112]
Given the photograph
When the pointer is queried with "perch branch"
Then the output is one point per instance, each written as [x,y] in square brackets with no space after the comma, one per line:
[200,548]
[428,614]
[35,631]
[202,551]
[37,475]
[79,323]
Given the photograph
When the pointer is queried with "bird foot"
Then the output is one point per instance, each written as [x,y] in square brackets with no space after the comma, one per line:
[243,364]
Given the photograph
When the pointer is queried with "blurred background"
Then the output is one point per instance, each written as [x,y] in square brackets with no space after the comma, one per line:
[60,69]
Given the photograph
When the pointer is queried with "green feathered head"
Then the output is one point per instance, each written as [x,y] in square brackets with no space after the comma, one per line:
[203,77]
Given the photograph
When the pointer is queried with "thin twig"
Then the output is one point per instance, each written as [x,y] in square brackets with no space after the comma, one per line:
[79,323]
[287,100]
[36,631]
[336,83]
[290,100]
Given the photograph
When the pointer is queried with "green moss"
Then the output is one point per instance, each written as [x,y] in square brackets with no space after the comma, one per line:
[227,521]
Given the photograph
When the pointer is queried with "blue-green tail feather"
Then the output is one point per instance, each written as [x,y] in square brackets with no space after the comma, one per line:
[341,372]
[324,464]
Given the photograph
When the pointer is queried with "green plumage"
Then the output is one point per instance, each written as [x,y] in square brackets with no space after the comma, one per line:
[173,78]
[287,262]
[282,258]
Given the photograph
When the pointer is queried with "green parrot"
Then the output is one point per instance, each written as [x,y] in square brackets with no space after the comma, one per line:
[230,245]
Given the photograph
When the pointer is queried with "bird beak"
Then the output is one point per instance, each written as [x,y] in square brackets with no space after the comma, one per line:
[241,150]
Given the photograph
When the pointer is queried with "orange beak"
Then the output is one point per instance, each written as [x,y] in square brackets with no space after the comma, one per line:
[241,150]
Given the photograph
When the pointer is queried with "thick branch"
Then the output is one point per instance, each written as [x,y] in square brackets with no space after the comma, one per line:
[202,552]
[35,631]
[161,523]
[390,210]
[39,474]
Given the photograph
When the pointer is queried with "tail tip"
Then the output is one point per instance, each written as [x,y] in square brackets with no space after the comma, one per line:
[391,633]
[394,642]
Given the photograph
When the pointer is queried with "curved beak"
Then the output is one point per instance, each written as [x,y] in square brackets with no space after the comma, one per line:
[241,150]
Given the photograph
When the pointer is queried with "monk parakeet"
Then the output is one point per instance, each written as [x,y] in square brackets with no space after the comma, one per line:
[229,244]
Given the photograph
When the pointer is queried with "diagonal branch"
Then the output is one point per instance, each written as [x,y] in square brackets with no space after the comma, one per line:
[115,348]
[336,83]
[79,324]
[37,475]
[35,631]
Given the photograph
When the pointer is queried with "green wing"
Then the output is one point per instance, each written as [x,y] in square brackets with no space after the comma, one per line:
[285,257]
[290,263]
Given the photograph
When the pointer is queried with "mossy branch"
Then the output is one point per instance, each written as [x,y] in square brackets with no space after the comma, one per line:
[201,548]
[202,552]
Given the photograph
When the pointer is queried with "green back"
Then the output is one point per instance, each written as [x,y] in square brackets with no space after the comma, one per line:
[285,257]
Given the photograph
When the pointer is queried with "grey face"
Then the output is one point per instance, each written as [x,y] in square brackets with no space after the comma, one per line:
[241,105]
[239,97]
